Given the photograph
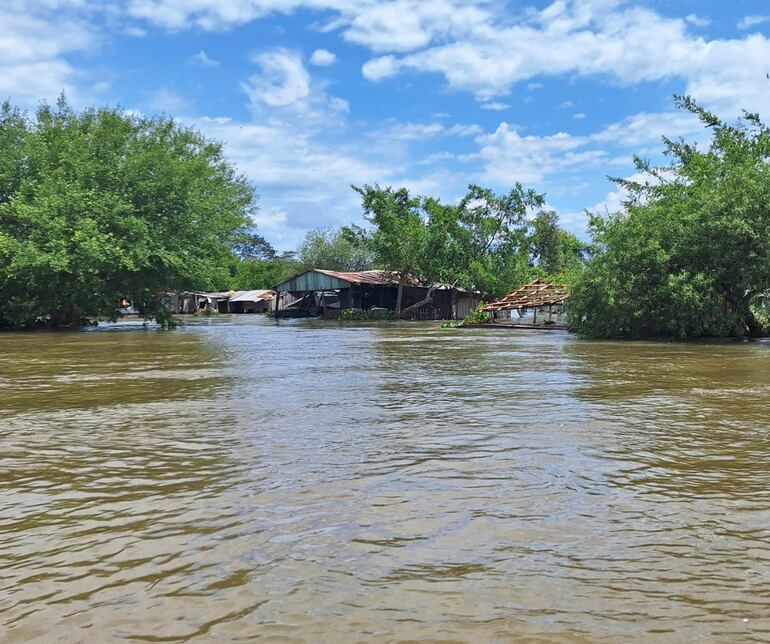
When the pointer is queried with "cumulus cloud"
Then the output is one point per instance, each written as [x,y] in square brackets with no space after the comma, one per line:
[302,182]
[507,156]
[34,44]
[282,80]
[322,58]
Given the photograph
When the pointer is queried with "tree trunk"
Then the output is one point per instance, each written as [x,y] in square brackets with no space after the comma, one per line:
[426,300]
[752,324]
[399,297]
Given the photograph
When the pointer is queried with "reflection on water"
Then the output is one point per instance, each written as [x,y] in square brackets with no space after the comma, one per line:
[237,479]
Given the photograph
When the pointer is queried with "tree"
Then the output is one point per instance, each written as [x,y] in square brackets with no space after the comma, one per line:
[101,205]
[492,238]
[345,249]
[478,244]
[400,237]
[691,251]
[255,273]
[251,245]
[552,248]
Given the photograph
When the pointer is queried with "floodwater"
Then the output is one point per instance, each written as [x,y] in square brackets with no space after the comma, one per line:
[238,479]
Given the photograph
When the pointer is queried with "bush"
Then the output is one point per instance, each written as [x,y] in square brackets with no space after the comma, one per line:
[476,317]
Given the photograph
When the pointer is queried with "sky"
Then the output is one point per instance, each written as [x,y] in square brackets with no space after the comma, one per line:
[311,96]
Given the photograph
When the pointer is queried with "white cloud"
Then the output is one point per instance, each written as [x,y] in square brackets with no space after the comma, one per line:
[495,106]
[697,21]
[408,131]
[34,43]
[481,46]
[282,80]
[752,21]
[508,157]
[610,39]
[322,58]
[201,59]
[579,115]
[302,182]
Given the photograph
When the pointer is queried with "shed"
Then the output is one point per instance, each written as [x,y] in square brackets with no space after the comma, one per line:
[324,292]
[257,301]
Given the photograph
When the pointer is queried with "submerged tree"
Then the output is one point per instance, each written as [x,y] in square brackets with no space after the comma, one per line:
[691,253]
[101,205]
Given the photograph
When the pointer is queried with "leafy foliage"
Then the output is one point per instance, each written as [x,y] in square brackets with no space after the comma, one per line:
[346,249]
[102,204]
[252,274]
[478,244]
[554,250]
[691,253]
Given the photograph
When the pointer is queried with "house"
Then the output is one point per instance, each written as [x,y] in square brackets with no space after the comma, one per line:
[324,292]
[257,301]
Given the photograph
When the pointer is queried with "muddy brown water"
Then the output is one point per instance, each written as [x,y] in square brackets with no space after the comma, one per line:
[238,479]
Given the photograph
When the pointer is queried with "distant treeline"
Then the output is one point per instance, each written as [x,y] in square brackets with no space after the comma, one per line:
[102,205]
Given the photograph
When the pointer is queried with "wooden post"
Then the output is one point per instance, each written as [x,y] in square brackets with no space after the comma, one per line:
[277,300]
[534,320]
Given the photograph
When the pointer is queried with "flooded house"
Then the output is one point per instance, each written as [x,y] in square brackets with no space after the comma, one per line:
[323,292]
[256,301]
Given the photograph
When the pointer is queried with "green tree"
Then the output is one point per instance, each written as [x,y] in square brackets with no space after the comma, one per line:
[478,244]
[553,249]
[492,238]
[690,254]
[345,249]
[103,204]
[255,273]
[400,236]
[251,245]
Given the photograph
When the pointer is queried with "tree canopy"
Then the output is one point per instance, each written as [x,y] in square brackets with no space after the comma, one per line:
[105,204]
[690,254]
[345,249]
[480,243]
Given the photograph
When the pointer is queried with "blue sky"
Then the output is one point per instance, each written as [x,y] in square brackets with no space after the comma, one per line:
[310,96]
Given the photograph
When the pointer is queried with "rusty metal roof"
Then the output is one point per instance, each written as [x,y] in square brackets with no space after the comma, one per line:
[321,279]
[361,277]
[534,294]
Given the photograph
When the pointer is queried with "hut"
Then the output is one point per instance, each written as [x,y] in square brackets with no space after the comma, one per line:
[258,301]
[538,296]
[323,292]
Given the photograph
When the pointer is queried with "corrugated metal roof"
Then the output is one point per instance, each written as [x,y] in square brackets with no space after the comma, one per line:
[252,296]
[320,279]
[361,277]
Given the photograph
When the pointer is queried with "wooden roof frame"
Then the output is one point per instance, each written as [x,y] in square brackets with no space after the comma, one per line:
[532,295]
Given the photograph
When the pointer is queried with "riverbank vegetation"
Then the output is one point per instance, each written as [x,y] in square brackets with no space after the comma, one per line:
[103,206]
[689,256]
